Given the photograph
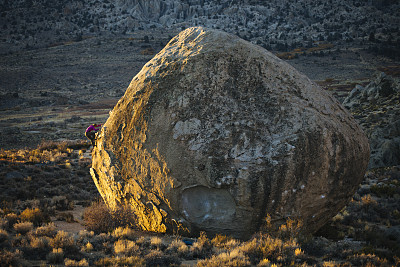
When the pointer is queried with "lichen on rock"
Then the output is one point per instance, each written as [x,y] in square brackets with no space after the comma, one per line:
[214,133]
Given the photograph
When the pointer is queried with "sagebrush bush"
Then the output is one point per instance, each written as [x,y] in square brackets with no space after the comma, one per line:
[234,258]
[133,261]
[62,240]
[178,246]
[69,262]
[56,256]
[88,247]
[9,258]
[40,242]
[3,235]
[220,240]
[23,227]
[156,242]
[125,232]
[48,230]
[158,258]
[202,247]
[11,218]
[123,216]
[98,218]
[35,216]
[126,247]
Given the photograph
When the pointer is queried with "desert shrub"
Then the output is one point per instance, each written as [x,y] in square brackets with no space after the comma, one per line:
[123,216]
[40,242]
[98,218]
[69,262]
[86,234]
[156,242]
[48,230]
[384,190]
[23,227]
[62,240]
[35,216]
[11,218]
[133,261]
[202,247]
[233,258]
[9,258]
[98,241]
[178,246]
[367,201]
[143,242]
[220,241]
[88,247]
[66,216]
[3,235]
[126,247]
[3,223]
[158,258]
[124,232]
[367,260]
[55,257]
[61,203]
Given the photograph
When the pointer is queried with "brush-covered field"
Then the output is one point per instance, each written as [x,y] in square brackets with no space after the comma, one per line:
[52,214]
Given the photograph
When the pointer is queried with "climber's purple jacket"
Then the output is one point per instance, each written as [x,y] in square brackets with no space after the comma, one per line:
[92,128]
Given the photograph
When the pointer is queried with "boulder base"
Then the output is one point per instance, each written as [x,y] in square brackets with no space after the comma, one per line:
[215,133]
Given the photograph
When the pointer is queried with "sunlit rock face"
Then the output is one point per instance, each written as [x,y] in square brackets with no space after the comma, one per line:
[214,133]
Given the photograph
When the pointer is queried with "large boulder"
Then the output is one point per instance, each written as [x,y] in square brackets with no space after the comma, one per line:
[215,133]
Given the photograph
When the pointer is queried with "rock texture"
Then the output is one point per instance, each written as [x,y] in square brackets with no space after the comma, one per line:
[377,109]
[214,133]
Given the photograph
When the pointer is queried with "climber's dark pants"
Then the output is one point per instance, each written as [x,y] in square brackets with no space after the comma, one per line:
[92,137]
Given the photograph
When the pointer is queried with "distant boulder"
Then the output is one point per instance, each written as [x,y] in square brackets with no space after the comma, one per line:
[214,133]
[377,109]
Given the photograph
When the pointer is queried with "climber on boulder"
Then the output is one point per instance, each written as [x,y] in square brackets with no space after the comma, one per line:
[91,133]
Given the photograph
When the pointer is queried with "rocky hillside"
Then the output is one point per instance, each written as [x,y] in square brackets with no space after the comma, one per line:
[376,108]
[276,25]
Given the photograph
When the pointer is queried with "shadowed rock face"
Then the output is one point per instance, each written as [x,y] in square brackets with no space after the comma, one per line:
[214,133]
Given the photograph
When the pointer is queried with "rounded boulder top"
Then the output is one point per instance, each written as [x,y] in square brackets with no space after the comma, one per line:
[215,133]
